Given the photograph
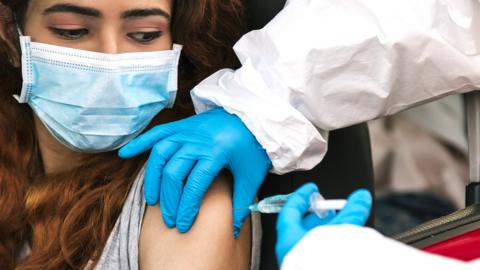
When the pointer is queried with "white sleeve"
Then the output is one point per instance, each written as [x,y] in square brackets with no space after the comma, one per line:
[353,247]
[327,64]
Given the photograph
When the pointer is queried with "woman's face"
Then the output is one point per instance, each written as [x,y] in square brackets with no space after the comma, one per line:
[107,26]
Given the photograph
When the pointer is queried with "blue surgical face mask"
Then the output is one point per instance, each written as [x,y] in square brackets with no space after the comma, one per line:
[96,102]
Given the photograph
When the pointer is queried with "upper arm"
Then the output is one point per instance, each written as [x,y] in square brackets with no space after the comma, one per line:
[208,245]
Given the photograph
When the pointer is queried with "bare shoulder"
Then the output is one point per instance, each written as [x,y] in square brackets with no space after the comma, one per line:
[208,245]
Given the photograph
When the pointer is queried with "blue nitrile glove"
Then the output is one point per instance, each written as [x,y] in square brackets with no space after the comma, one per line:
[294,221]
[197,149]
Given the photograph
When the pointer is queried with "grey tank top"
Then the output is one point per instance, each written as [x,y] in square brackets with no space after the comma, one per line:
[121,250]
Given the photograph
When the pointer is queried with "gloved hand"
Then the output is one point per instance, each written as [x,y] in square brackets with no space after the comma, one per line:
[196,149]
[294,221]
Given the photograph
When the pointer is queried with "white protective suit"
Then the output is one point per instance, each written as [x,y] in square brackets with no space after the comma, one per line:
[357,248]
[321,65]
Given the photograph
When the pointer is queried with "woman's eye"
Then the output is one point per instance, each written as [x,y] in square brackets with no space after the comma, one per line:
[144,37]
[70,33]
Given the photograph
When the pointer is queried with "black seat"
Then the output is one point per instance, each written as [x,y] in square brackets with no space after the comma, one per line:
[346,167]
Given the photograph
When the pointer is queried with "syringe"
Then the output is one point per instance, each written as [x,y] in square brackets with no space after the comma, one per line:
[318,204]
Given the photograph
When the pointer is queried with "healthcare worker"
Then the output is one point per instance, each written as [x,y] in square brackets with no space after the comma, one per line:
[317,66]
[305,242]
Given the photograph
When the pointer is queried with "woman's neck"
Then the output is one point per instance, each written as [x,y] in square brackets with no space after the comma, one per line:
[56,157]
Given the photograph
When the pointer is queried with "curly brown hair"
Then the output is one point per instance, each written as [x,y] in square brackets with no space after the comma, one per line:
[66,218]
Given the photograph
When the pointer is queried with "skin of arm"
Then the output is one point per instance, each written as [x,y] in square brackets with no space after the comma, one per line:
[209,244]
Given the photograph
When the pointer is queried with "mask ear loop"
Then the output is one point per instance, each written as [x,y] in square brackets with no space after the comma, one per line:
[20,33]
[20,98]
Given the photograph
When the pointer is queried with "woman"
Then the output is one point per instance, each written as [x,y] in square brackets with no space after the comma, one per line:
[62,208]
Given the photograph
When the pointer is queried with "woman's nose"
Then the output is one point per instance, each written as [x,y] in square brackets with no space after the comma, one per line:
[108,42]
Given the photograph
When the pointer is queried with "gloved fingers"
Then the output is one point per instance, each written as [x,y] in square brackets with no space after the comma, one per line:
[246,185]
[198,144]
[311,220]
[199,181]
[290,229]
[160,154]
[173,176]
[357,209]
[148,139]
[297,206]
[286,240]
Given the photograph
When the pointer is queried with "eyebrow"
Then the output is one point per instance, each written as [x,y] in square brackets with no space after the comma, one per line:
[72,9]
[136,13]
[85,11]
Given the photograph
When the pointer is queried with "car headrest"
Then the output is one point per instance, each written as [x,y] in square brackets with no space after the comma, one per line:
[260,12]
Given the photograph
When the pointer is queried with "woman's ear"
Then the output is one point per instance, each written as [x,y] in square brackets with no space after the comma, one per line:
[7,35]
